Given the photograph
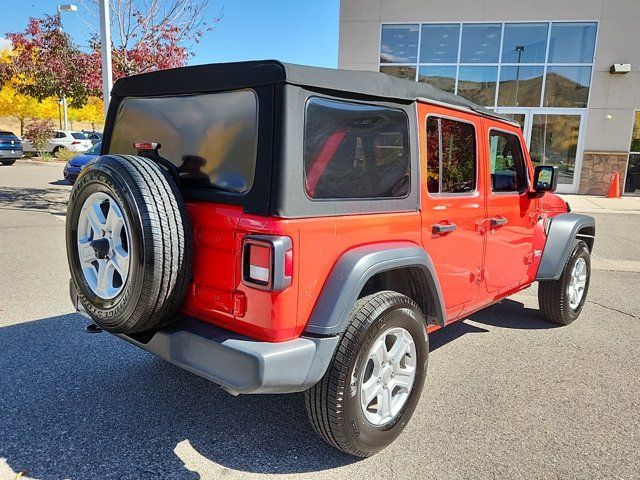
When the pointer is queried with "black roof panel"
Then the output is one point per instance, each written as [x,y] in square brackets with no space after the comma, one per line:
[228,76]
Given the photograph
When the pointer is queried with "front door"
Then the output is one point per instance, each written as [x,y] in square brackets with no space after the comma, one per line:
[511,212]
[554,137]
[453,202]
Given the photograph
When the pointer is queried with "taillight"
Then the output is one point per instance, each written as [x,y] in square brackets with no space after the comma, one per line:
[259,263]
[267,262]
[75,143]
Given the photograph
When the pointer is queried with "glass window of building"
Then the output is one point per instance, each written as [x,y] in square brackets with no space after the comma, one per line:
[554,141]
[572,42]
[400,71]
[442,77]
[567,87]
[399,44]
[518,60]
[525,42]
[439,43]
[632,182]
[520,86]
[480,43]
[478,84]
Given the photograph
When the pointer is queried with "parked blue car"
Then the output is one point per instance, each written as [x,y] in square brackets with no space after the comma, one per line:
[74,166]
[10,148]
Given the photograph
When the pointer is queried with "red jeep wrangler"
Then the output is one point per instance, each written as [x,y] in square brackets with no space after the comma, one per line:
[278,228]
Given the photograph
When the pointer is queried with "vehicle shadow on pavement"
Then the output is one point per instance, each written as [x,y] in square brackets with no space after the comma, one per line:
[506,314]
[74,405]
[34,199]
[512,314]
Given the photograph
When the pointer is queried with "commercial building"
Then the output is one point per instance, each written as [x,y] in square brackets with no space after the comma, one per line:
[568,71]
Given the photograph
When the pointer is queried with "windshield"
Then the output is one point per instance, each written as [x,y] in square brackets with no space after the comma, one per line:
[79,136]
[8,136]
[95,150]
[211,138]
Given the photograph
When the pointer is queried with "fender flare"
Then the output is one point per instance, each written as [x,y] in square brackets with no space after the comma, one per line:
[561,231]
[351,272]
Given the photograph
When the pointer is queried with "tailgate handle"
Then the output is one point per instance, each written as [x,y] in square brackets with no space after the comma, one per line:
[443,228]
[498,222]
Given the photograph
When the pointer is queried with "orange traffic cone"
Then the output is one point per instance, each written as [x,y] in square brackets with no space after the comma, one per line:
[614,190]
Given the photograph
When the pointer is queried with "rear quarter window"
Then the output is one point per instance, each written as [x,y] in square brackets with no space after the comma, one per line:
[355,151]
[211,138]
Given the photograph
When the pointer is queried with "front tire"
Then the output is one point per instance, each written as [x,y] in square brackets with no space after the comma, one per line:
[562,300]
[8,162]
[373,385]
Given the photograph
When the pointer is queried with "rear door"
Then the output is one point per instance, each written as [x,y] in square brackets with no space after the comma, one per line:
[453,202]
[511,212]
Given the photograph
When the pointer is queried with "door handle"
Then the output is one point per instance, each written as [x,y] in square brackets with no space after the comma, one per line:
[442,228]
[498,222]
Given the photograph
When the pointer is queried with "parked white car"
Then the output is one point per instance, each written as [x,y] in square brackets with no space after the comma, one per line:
[72,141]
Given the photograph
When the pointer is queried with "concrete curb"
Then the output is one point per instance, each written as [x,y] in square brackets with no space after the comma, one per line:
[40,162]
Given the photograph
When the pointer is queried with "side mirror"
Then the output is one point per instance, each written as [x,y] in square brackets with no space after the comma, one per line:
[545,178]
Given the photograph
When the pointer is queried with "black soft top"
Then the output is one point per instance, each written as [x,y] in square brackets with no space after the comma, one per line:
[230,76]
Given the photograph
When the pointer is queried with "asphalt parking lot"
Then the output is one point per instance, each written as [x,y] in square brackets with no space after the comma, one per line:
[507,395]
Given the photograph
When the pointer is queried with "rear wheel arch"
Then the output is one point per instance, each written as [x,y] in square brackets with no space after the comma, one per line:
[404,267]
[411,281]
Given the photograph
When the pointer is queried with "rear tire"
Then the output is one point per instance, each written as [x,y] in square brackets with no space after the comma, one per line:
[336,405]
[555,296]
[8,162]
[129,244]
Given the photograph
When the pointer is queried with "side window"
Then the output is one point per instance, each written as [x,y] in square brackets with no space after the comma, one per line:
[507,165]
[355,151]
[59,135]
[451,156]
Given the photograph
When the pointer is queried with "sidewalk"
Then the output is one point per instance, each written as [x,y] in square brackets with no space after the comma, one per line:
[596,204]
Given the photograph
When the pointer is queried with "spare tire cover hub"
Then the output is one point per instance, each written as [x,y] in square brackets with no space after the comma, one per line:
[103,245]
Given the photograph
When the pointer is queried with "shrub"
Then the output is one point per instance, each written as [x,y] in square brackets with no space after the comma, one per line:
[65,155]
[38,132]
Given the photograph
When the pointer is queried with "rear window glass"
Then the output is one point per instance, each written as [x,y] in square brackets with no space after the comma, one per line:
[7,135]
[451,156]
[211,138]
[79,136]
[355,151]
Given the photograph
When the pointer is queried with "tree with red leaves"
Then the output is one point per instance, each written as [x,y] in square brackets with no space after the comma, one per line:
[148,35]
[46,63]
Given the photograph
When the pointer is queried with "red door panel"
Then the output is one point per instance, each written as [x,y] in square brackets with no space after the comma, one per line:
[451,222]
[511,211]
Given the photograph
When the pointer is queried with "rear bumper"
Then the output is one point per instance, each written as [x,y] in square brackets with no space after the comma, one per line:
[240,364]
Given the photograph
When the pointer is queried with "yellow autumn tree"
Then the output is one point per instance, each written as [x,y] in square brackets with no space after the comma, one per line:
[91,113]
[23,107]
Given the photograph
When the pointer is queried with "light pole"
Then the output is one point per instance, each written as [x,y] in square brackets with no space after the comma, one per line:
[519,49]
[60,9]
[105,42]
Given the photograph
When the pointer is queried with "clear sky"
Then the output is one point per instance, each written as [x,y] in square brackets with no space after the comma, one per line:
[302,31]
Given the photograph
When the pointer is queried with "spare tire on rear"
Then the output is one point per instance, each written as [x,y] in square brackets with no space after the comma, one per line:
[129,243]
